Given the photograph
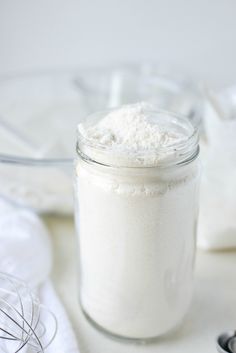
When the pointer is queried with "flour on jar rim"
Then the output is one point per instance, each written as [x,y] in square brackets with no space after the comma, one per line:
[133,129]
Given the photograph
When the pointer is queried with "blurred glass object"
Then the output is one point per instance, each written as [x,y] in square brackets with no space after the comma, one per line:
[164,89]
[39,113]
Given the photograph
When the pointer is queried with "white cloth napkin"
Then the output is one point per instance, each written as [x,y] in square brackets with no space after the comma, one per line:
[25,252]
[65,341]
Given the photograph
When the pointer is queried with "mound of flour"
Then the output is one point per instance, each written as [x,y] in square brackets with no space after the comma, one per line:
[131,129]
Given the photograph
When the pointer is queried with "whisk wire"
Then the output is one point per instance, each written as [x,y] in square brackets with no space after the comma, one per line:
[22,317]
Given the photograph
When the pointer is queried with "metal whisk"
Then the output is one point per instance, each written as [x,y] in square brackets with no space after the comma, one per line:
[23,318]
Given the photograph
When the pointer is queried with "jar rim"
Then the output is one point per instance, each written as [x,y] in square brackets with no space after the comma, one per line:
[174,153]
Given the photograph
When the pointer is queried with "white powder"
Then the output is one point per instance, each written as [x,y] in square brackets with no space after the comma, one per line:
[217,229]
[129,127]
[136,227]
[133,136]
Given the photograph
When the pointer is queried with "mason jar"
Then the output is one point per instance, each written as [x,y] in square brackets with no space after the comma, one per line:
[136,214]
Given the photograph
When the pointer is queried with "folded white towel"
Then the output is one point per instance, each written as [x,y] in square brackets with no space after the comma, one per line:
[65,341]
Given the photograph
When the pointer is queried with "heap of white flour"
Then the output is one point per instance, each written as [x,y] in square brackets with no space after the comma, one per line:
[136,226]
[129,127]
[130,130]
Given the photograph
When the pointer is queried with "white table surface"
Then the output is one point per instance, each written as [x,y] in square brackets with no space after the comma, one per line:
[213,309]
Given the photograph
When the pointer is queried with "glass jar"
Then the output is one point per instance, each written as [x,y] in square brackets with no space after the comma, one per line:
[137,233]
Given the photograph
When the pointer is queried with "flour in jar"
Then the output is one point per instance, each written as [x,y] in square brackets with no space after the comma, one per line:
[137,219]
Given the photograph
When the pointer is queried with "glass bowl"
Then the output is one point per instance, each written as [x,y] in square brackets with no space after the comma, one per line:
[39,113]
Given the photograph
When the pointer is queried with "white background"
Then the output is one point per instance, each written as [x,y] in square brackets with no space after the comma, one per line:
[195,36]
